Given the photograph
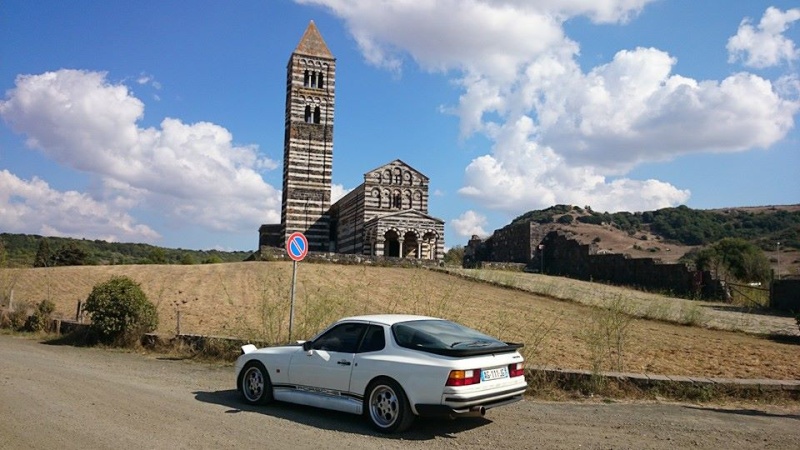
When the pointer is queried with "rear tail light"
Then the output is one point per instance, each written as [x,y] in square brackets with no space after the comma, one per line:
[516,370]
[463,377]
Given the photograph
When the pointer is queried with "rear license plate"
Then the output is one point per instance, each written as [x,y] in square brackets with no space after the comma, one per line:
[494,374]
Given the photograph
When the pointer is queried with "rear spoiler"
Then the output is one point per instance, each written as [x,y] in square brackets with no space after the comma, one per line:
[248,348]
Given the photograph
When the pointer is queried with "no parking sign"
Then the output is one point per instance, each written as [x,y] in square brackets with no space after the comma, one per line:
[297,246]
[297,249]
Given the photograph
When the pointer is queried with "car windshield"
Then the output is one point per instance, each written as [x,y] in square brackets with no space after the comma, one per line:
[441,334]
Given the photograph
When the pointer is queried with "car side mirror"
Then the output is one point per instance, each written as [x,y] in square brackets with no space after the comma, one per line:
[307,345]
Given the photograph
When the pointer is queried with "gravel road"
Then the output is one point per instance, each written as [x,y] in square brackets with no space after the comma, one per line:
[66,397]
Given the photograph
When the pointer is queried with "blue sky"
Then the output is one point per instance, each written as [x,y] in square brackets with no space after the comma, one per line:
[162,122]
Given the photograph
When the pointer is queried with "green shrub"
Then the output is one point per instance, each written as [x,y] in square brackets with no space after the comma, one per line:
[120,311]
[40,319]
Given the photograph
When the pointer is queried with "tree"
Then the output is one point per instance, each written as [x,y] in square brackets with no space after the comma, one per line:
[120,311]
[43,256]
[70,255]
[158,256]
[735,258]
[454,256]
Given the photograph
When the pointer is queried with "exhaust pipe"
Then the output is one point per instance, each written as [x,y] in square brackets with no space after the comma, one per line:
[475,411]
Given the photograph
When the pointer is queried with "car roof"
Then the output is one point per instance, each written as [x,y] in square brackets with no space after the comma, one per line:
[387,319]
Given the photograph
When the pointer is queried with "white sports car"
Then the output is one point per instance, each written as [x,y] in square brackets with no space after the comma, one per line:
[390,368]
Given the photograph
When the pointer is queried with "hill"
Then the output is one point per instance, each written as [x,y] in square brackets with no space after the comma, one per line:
[20,250]
[669,234]
[251,300]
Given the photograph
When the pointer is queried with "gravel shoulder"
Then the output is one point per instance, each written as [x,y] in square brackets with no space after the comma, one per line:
[67,397]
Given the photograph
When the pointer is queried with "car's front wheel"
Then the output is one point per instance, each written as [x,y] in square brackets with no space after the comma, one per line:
[387,406]
[254,384]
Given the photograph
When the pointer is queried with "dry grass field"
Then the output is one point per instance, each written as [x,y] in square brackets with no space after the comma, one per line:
[251,300]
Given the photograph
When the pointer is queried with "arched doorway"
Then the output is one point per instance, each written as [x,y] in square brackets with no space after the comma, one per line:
[410,245]
[391,244]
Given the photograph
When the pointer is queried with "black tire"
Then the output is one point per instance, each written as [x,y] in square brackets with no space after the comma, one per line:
[386,406]
[254,384]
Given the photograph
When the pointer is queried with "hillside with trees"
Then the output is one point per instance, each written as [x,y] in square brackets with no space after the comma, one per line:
[26,250]
[683,225]
[687,235]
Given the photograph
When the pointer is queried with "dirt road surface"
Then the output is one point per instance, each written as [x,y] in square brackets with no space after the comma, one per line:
[66,397]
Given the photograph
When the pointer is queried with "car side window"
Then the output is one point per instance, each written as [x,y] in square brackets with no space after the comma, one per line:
[374,340]
[341,338]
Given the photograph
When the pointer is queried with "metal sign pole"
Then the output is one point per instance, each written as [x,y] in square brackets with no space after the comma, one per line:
[296,249]
[291,304]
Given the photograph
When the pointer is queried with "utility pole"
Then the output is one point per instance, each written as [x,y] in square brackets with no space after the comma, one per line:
[778,271]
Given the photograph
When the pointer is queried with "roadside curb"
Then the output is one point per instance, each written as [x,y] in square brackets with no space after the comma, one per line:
[736,387]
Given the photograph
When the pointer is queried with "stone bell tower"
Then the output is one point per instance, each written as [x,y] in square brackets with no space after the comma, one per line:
[308,141]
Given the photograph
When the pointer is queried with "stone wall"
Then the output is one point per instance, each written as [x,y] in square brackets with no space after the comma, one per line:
[516,242]
[567,257]
[785,295]
[279,254]
[509,266]
[554,252]
[270,235]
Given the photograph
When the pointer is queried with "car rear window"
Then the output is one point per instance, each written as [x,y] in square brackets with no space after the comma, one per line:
[443,336]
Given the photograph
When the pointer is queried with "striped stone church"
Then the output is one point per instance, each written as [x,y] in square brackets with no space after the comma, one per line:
[387,215]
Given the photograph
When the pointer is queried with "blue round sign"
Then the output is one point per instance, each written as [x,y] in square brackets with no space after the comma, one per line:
[297,246]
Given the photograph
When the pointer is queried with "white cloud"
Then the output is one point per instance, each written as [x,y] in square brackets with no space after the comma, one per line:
[145,79]
[470,223]
[71,213]
[765,45]
[192,174]
[563,134]
[338,191]
[633,110]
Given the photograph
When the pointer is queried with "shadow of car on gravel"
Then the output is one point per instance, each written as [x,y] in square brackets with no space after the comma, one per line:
[421,430]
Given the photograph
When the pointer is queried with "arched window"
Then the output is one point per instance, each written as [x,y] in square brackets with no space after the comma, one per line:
[317,115]
[377,195]
[306,79]
[308,117]
[320,80]
[397,200]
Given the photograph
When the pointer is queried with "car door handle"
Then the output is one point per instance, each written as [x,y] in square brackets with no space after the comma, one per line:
[343,363]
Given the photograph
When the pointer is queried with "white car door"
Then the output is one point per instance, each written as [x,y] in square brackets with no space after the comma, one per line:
[328,363]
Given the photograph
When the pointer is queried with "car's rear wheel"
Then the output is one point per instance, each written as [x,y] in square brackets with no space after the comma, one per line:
[254,384]
[387,406]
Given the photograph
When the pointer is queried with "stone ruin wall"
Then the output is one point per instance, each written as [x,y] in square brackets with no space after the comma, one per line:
[565,256]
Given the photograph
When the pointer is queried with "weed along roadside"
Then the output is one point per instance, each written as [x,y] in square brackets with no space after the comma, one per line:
[607,348]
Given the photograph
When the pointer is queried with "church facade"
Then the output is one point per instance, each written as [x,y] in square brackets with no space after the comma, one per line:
[387,215]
